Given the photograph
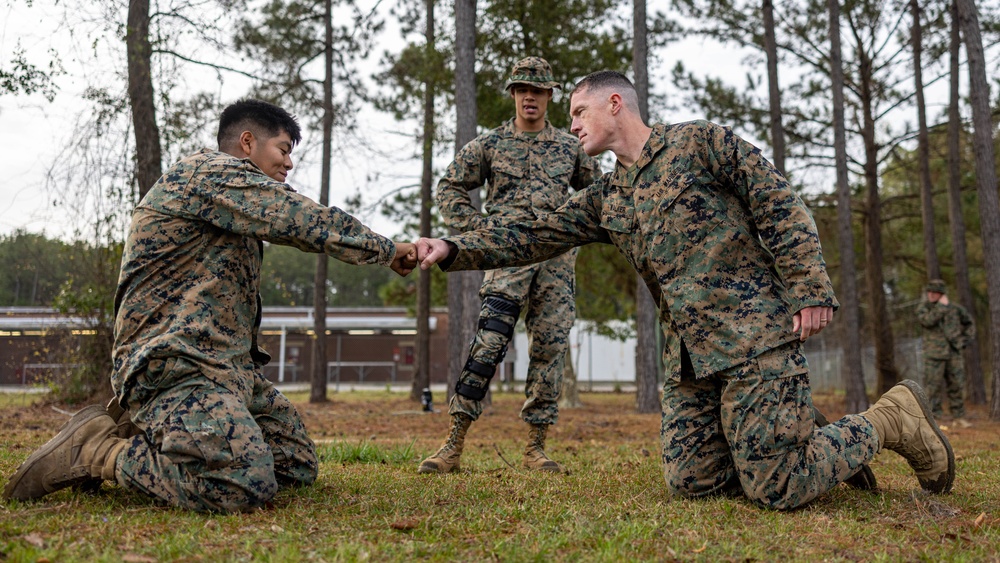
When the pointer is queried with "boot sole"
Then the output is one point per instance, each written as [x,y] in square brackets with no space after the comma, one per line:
[918,392]
[82,417]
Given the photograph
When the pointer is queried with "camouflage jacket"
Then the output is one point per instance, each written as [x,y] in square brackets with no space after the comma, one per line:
[526,176]
[948,328]
[190,272]
[727,248]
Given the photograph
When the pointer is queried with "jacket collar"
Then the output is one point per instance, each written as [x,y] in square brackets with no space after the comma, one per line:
[655,143]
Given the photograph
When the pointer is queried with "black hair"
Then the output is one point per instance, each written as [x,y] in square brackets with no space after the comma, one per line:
[263,119]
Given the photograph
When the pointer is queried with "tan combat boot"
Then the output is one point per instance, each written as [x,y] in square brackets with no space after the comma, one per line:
[534,453]
[904,424]
[85,448]
[126,429]
[447,458]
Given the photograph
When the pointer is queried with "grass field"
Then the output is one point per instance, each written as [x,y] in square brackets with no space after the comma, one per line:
[370,504]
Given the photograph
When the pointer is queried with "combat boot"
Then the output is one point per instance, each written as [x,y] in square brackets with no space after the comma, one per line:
[448,457]
[86,447]
[126,429]
[534,453]
[904,424]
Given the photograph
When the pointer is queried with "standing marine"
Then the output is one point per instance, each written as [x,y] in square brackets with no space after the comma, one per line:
[529,168]
[948,328]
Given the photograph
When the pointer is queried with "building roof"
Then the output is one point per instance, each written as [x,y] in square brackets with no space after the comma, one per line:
[337,319]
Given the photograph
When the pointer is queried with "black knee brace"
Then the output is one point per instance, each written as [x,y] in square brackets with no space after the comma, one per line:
[473,387]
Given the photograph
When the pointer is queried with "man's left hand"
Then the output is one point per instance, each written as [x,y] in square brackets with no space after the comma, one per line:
[811,320]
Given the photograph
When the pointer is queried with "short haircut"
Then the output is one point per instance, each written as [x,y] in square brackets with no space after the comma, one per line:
[610,80]
[262,119]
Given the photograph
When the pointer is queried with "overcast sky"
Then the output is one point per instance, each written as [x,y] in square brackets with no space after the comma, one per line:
[34,131]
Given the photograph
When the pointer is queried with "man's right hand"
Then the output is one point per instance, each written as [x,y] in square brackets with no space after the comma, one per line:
[943,300]
[405,259]
[430,251]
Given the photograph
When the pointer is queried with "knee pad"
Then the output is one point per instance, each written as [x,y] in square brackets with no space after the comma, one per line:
[476,375]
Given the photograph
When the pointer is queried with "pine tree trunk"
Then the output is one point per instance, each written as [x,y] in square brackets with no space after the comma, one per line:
[569,396]
[421,375]
[885,363]
[140,94]
[849,315]
[318,379]
[973,359]
[647,397]
[463,287]
[923,149]
[317,388]
[989,202]
[774,93]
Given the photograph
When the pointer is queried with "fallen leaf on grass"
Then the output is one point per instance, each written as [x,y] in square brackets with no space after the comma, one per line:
[35,540]
[137,558]
[702,548]
[405,524]
[277,529]
[980,519]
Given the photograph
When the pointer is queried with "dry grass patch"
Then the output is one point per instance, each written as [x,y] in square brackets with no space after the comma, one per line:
[370,504]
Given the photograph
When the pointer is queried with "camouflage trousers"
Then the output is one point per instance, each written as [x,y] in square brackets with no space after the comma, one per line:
[946,375]
[546,294]
[207,447]
[751,428]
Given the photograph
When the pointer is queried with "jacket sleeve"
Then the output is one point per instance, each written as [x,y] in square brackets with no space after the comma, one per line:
[969,326]
[929,314]
[469,171]
[782,220]
[574,223]
[242,200]
[960,331]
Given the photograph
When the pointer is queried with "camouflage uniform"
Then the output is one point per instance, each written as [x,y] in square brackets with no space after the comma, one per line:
[527,175]
[216,435]
[948,330]
[730,254]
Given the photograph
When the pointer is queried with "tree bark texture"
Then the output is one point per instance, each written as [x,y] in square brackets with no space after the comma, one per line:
[774,93]
[885,363]
[318,381]
[422,375]
[975,387]
[923,149]
[647,351]
[569,397]
[148,155]
[463,287]
[849,314]
[989,202]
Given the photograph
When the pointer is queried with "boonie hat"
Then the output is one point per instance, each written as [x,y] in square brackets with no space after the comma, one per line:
[533,71]
[937,286]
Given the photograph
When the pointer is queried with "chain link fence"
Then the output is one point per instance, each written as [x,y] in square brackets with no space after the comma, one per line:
[825,360]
